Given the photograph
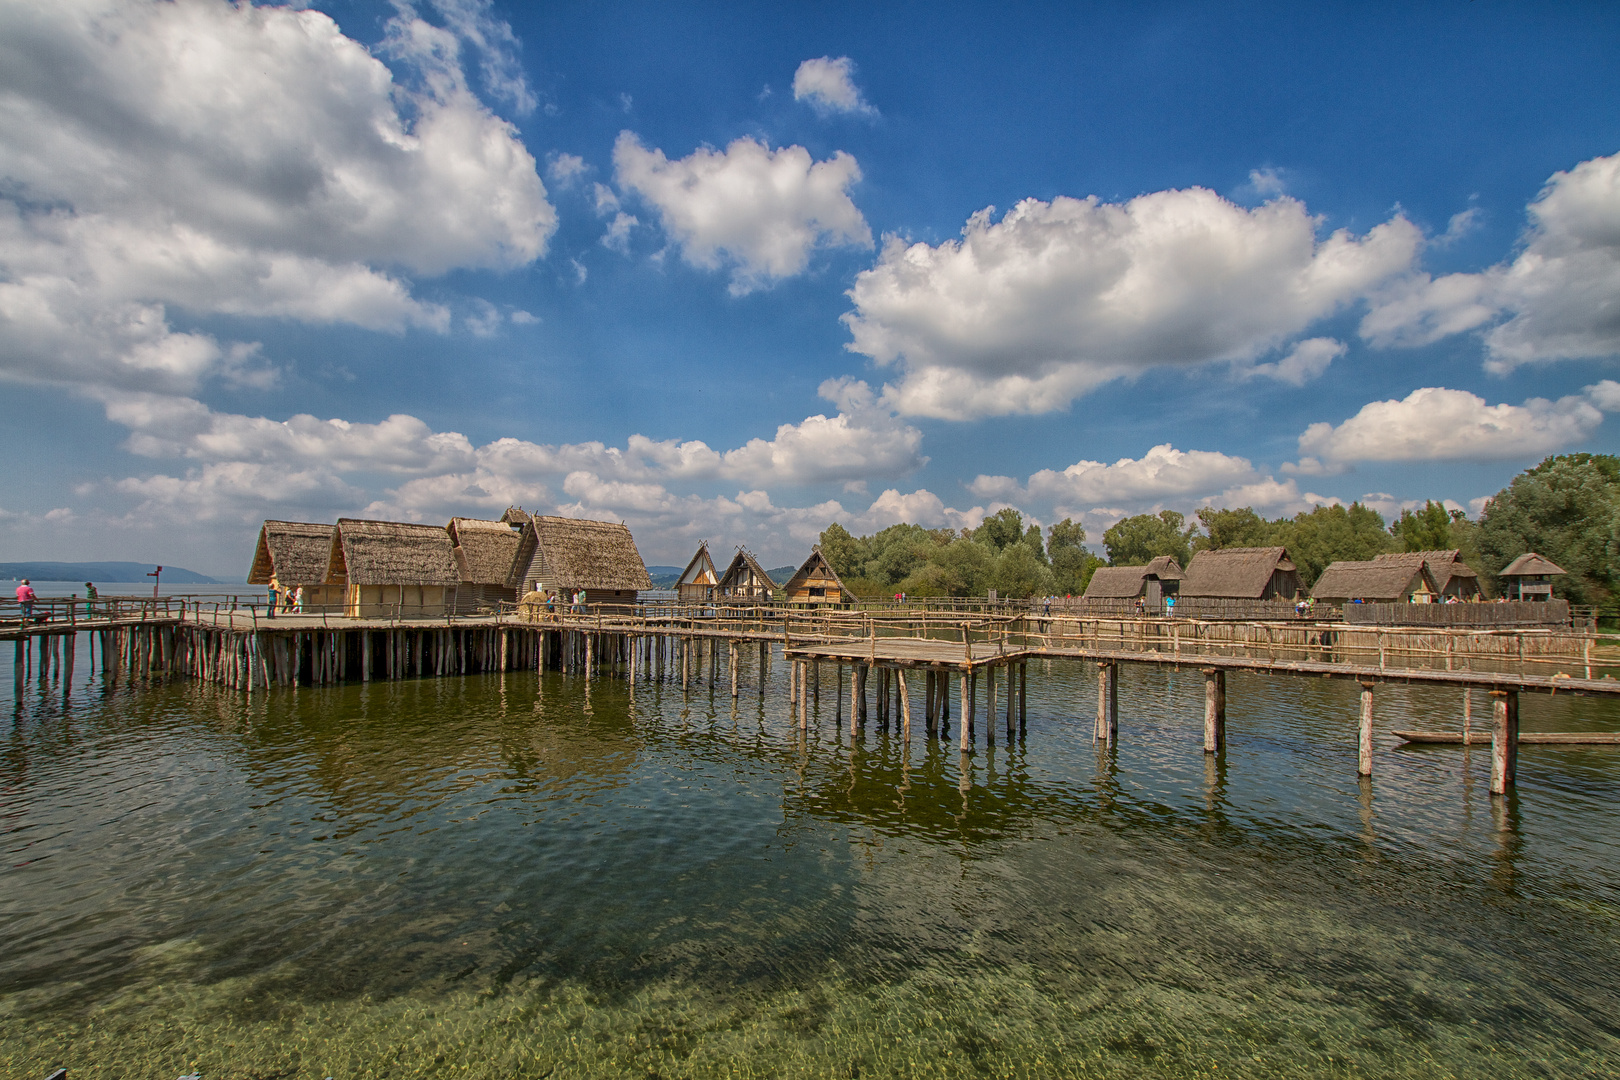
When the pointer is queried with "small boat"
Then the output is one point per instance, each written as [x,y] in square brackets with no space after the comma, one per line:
[1483,737]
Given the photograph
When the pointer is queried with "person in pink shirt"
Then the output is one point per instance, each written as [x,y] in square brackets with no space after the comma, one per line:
[25,599]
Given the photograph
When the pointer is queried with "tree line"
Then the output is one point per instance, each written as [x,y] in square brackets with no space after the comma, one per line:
[1567,508]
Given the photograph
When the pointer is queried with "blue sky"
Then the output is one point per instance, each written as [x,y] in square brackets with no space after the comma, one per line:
[733,272]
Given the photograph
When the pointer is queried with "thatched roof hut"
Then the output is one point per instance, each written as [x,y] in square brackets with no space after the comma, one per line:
[1127,582]
[1449,574]
[699,580]
[745,579]
[391,553]
[1257,573]
[1529,577]
[816,582]
[569,554]
[486,551]
[292,552]
[1387,581]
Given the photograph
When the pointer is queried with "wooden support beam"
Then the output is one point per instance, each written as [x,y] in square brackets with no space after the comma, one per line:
[1366,755]
[905,702]
[1214,710]
[1107,729]
[1504,740]
[966,705]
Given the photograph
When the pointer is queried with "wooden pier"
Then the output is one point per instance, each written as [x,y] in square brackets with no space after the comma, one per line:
[985,655]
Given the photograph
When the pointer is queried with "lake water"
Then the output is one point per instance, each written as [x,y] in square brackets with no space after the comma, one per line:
[527,876]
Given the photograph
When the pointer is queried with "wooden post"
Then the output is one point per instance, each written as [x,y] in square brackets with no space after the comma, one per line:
[1023,695]
[804,695]
[1214,710]
[905,702]
[1366,757]
[731,662]
[966,706]
[1504,740]
[1107,703]
[1468,716]
[1012,692]
[990,703]
[854,694]
[929,718]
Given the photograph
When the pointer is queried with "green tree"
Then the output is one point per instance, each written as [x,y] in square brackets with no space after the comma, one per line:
[1327,534]
[1004,527]
[1428,529]
[1568,509]
[1071,563]
[1134,541]
[1032,540]
[846,554]
[1232,528]
[963,568]
[1018,572]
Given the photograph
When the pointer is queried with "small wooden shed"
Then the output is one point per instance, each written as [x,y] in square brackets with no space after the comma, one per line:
[745,579]
[486,554]
[1151,583]
[816,582]
[1450,576]
[1382,581]
[566,555]
[295,554]
[1529,577]
[699,581]
[392,567]
[1251,573]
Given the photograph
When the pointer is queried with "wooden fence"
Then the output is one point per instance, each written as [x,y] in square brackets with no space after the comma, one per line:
[1481,616]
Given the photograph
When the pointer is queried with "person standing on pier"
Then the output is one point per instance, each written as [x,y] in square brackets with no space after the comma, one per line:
[90,597]
[274,588]
[25,599]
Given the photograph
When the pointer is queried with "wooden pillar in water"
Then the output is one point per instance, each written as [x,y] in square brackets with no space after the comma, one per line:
[1214,710]
[731,663]
[590,657]
[990,703]
[1504,740]
[1012,692]
[1107,729]
[929,718]
[905,702]
[966,698]
[1364,767]
[1023,696]
[804,695]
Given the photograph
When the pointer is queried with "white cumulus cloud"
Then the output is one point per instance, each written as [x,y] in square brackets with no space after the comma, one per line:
[235,160]
[828,85]
[1559,298]
[1437,424]
[1304,362]
[757,210]
[1025,313]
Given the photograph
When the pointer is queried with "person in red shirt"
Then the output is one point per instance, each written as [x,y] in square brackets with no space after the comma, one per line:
[25,599]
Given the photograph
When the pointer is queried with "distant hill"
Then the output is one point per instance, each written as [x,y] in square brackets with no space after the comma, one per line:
[664,577]
[782,573]
[99,572]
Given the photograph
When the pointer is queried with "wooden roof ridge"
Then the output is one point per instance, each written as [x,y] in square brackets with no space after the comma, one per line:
[744,560]
[294,552]
[368,552]
[1378,579]
[1531,565]
[1234,572]
[802,575]
[701,562]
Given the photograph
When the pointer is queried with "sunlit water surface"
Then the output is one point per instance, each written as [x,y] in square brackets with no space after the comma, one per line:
[529,877]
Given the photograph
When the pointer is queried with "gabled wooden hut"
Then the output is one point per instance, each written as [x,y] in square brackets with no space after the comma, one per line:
[746,580]
[1150,583]
[565,555]
[392,567]
[1529,577]
[294,554]
[1257,573]
[1377,581]
[1450,576]
[486,554]
[816,582]
[698,582]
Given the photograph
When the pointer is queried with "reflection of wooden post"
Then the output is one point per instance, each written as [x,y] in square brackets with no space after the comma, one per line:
[1012,692]
[1504,740]
[905,701]
[1468,716]
[1214,710]
[1364,767]
[1107,703]
[990,703]
[966,706]
[1023,694]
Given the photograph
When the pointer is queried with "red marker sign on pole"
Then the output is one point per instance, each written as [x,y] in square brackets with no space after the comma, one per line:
[156,577]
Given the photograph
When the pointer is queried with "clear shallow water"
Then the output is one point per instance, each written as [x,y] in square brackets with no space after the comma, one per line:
[531,877]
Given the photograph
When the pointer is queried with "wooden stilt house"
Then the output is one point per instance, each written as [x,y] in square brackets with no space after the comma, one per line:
[389,568]
[1376,581]
[565,555]
[295,554]
[1529,577]
[1450,576]
[1257,573]
[746,581]
[816,582]
[486,554]
[699,581]
[1126,584]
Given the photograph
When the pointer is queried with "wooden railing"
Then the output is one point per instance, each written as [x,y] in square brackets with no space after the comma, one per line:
[1486,615]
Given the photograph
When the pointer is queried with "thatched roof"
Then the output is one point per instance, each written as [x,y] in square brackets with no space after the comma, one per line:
[1378,579]
[296,552]
[486,551]
[1239,573]
[1165,568]
[736,575]
[816,571]
[1531,565]
[577,554]
[1442,565]
[700,571]
[391,553]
